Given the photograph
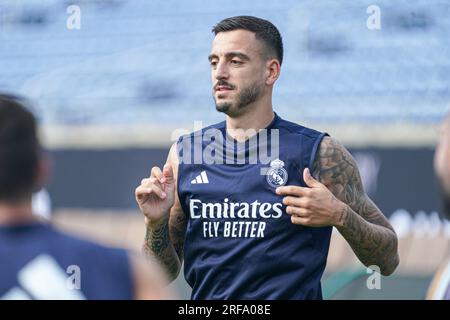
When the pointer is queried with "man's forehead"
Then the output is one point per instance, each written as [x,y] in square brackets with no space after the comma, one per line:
[236,40]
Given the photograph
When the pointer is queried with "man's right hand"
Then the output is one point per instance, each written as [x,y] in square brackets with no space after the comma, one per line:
[156,195]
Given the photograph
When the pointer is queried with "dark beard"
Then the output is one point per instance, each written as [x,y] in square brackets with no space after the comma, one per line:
[445,200]
[223,107]
[246,97]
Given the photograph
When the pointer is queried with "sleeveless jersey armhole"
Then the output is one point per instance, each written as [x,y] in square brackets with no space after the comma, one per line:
[314,151]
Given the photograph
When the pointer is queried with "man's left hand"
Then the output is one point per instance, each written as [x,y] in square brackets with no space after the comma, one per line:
[314,205]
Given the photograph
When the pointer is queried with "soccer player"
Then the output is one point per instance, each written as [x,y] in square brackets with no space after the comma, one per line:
[440,286]
[257,229]
[38,262]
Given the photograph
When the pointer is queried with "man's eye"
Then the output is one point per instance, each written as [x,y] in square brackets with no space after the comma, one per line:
[236,62]
[213,63]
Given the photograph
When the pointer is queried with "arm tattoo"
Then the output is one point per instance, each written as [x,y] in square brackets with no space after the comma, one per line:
[178,224]
[165,241]
[363,225]
[158,244]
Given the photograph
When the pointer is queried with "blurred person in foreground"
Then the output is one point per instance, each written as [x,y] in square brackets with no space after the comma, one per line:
[257,229]
[440,285]
[39,262]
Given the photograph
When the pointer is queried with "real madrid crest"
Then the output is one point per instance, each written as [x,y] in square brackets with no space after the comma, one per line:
[277,176]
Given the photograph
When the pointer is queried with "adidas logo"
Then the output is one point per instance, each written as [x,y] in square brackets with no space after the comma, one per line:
[201,178]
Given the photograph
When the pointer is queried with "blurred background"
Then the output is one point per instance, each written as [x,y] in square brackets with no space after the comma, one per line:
[113,81]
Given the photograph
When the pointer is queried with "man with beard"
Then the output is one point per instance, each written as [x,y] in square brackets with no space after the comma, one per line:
[257,230]
[440,286]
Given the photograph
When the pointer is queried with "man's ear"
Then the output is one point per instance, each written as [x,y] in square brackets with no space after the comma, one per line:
[273,71]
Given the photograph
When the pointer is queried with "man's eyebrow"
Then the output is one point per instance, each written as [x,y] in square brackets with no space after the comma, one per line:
[240,55]
[212,56]
[230,55]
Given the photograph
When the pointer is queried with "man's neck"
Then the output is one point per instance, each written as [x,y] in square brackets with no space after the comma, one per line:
[255,118]
[16,213]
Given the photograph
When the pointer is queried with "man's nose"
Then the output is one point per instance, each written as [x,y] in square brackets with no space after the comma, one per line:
[221,71]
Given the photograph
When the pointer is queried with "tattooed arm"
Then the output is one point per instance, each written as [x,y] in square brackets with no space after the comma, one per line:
[360,222]
[338,199]
[165,240]
[165,220]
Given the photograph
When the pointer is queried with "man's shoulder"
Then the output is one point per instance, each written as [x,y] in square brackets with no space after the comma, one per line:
[290,127]
[197,133]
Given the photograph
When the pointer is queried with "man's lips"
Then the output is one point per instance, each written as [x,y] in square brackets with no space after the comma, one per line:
[223,88]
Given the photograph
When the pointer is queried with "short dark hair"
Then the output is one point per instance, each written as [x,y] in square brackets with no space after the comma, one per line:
[264,30]
[19,150]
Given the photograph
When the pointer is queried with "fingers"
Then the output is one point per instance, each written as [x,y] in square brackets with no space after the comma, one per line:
[300,191]
[158,191]
[299,216]
[167,174]
[146,189]
[299,220]
[293,190]
[301,212]
[148,181]
[156,173]
[303,202]
[309,180]
[162,176]
[141,193]
[154,184]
